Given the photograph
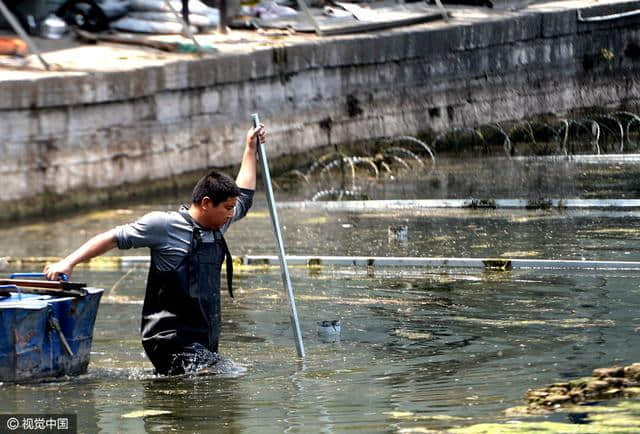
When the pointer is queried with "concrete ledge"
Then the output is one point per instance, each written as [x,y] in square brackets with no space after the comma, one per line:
[139,117]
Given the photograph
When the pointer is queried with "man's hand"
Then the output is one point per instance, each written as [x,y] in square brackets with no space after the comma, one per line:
[259,131]
[53,271]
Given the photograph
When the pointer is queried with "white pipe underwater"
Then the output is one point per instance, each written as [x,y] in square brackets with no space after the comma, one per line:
[484,263]
[419,204]
[127,262]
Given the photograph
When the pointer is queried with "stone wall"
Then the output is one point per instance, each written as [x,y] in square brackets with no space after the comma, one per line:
[73,139]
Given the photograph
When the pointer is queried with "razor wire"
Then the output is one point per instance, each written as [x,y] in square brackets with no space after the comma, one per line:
[341,175]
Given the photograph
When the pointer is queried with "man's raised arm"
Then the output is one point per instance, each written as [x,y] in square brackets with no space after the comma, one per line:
[247,175]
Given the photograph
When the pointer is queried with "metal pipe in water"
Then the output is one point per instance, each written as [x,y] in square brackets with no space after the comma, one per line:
[284,269]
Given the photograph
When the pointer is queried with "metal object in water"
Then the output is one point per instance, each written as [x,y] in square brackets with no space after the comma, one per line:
[398,233]
[329,331]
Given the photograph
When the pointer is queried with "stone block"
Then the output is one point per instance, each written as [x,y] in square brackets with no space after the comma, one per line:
[632,371]
[170,106]
[615,371]
[17,126]
[559,23]
[260,63]
[15,94]
[210,100]
[175,76]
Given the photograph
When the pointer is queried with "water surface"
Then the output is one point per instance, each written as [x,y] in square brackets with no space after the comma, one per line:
[419,348]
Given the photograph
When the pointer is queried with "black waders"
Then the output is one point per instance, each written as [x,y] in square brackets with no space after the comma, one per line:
[181,312]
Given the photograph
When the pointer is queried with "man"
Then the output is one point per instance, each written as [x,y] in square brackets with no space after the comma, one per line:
[181,312]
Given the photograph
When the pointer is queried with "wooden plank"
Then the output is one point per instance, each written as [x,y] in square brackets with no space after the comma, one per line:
[54,292]
[48,284]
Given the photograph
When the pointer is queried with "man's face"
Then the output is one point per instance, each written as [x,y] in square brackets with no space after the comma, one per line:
[215,216]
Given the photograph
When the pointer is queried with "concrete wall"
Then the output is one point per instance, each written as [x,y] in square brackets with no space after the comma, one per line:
[75,139]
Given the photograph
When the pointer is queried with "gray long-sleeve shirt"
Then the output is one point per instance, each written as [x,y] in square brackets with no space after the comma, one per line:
[168,234]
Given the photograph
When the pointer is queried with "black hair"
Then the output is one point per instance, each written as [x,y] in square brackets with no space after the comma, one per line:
[217,186]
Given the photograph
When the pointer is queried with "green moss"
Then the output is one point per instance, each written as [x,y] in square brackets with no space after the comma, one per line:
[624,417]
[581,382]
[522,427]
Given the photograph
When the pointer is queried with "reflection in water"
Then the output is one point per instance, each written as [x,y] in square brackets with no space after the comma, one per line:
[208,403]
[79,395]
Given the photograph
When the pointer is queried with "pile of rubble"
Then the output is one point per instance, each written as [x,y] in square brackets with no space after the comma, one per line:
[605,383]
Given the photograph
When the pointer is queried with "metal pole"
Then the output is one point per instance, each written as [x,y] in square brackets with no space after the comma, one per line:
[185,26]
[284,269]
[20,31]
[303,7]
[445,15]
[222,24]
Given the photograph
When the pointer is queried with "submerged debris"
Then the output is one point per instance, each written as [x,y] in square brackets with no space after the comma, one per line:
[340,176]
[398,233]
[144,413]
[605,383]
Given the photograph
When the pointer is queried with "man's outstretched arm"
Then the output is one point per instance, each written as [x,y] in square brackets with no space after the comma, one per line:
[96,246]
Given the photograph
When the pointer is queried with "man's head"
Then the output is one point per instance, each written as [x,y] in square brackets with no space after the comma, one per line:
[214,200]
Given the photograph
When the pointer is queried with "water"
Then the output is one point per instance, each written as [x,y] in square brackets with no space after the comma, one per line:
[476,176]
[447,348]
[419,349]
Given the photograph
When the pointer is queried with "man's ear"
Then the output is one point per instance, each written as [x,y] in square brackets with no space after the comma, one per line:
[206,202]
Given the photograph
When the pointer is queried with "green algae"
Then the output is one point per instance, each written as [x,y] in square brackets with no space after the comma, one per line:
[624,417]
